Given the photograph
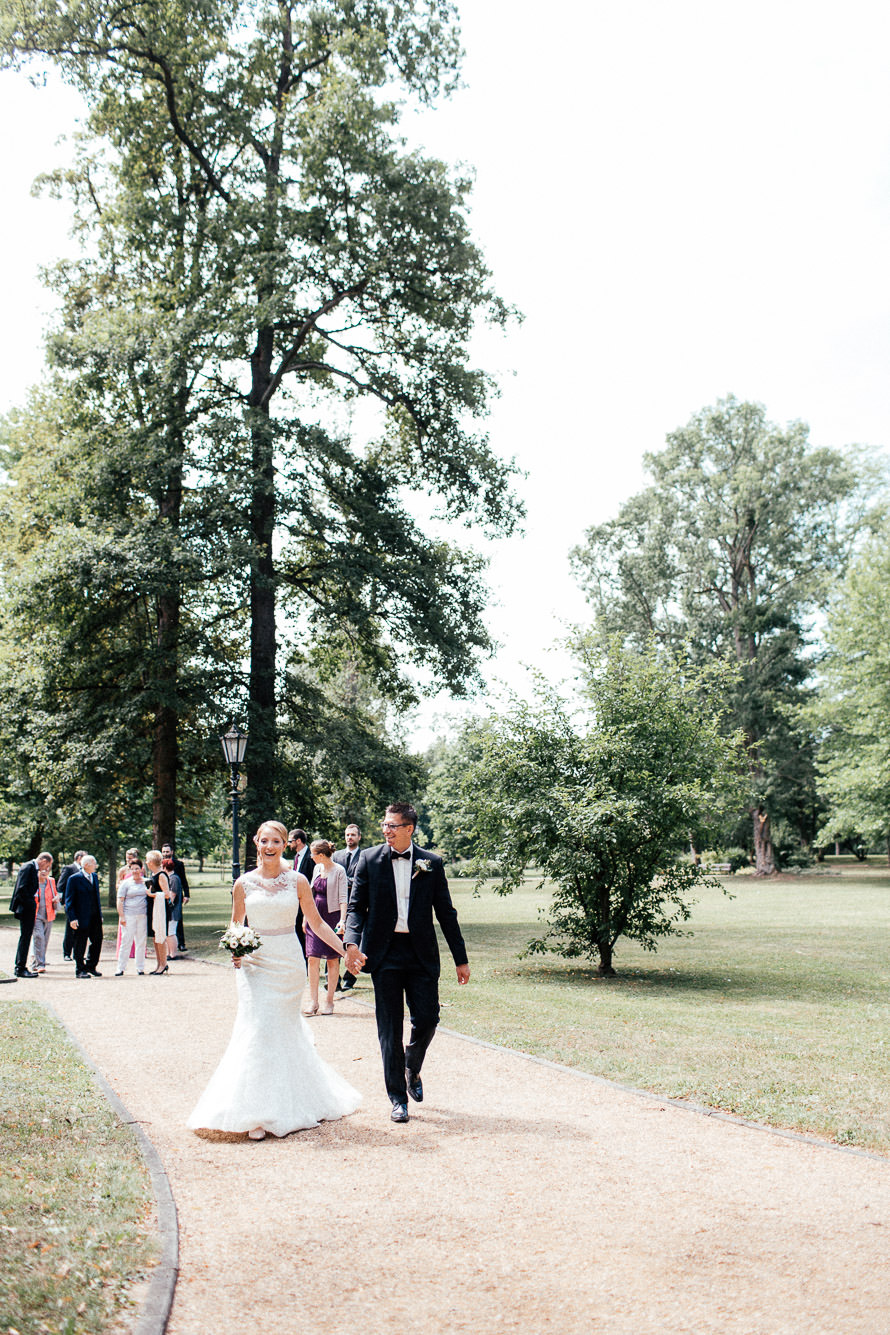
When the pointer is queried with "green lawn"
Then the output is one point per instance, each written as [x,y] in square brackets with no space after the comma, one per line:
[776,1008]
[76,1207]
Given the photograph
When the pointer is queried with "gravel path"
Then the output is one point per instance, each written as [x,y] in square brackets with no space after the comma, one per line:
[520,1197]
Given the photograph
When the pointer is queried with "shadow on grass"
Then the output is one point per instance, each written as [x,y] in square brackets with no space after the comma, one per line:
[833,984]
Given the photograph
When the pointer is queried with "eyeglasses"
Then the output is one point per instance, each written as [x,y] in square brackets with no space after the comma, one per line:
[391,825]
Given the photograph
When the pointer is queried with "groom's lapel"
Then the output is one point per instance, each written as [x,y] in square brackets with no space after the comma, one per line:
[387,875]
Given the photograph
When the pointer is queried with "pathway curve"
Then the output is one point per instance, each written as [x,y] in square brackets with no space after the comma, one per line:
[520,1197]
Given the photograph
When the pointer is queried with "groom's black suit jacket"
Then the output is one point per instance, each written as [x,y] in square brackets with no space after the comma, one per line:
[373,911]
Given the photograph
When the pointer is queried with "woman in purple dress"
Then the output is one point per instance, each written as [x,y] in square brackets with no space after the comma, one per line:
[329,892]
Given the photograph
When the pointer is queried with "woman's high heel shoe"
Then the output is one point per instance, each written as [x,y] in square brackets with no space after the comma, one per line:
[311,1009]
[164,970]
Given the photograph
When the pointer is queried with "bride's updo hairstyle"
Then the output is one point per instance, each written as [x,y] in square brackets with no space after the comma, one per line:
[275,825]
[321,846]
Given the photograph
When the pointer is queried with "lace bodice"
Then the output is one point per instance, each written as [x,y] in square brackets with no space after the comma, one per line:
[270,903]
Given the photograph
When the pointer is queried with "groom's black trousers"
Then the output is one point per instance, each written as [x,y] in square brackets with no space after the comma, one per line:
[403,976]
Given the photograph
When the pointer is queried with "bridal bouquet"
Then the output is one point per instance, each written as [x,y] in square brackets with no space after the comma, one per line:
[240,940]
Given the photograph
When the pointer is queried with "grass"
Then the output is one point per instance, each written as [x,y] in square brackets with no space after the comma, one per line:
[75,1198]
[777,1008]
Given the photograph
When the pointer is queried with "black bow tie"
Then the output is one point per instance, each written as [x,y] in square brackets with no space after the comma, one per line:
[394,854]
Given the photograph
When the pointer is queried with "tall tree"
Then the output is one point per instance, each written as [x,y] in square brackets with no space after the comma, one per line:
[852,709]
[338,267]
[603,803]
[727,555]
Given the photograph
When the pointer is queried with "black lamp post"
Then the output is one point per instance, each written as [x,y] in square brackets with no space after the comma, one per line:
[234,744]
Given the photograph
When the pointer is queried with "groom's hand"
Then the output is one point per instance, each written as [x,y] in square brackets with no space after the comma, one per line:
[463,973]
[355,959]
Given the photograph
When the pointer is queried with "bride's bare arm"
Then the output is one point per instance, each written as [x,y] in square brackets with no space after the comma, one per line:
[237,912]
[315,920]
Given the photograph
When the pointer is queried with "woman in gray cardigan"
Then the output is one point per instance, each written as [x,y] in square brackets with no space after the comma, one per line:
[329,892]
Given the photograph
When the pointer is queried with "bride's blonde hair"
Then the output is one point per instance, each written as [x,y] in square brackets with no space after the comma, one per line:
[273,825]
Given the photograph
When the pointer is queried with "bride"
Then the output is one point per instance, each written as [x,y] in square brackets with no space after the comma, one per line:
[270,1077]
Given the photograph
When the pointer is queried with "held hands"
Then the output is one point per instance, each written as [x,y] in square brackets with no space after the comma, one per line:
[354,960]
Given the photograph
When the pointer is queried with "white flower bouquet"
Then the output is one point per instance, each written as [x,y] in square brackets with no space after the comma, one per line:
[240,939]
[422,864]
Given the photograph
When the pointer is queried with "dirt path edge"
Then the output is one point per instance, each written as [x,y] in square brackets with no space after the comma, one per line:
[158,1302]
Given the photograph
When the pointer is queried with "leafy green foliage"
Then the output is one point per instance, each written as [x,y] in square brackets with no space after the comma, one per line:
[726,557]
[853,711]
[603,807]
[264,253]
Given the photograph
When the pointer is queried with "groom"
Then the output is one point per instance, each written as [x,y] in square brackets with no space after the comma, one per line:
[389,927]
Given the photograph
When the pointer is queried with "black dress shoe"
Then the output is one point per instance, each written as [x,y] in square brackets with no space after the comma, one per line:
[399,1111]
[25,973]
[82,973]
[415,1088]
[95,973]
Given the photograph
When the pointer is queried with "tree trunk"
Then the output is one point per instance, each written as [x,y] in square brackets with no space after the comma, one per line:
[604,932]
[112,875]
[35,846]
[259,799]
[764,859]
[165,739]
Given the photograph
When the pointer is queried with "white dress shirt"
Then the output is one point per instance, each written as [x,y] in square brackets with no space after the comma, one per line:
[401,870]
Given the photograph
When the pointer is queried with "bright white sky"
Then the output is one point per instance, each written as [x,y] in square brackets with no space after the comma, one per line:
[685,199]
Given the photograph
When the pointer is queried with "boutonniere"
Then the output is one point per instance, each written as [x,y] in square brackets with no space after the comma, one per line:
[422,864]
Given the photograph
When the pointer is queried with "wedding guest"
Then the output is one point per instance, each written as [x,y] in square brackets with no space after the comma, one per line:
[174,904]
[83,905]
[132,912]
[69,869]
[23,906]
[389,927]
[167,850]
[158,890]
[329,894]
[303,865]
[122,874]
[47,903]
[348,859]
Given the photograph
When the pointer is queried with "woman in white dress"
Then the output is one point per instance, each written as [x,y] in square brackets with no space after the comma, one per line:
[270,1078]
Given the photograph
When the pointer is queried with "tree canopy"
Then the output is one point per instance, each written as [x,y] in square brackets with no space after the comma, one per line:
[263,253]
[603,804]
[726,556]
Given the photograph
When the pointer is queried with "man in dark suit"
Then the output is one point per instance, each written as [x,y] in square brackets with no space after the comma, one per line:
[348,859]
[70,869]
[396,889]
[179,868]
[305,864]
[23,906]
[83,905]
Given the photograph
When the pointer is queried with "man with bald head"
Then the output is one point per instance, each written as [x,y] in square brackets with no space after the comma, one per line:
[83,907]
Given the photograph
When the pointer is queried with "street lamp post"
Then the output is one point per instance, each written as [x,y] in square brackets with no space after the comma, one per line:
[234,744]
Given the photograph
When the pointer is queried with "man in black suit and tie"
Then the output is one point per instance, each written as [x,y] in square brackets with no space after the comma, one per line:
[348,859]
[83,906]
[305,864]
[179,868]
[396,889]
[23,906]
[70,869]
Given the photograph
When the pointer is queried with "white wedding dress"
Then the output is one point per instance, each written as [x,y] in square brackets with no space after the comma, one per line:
[270,1074]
